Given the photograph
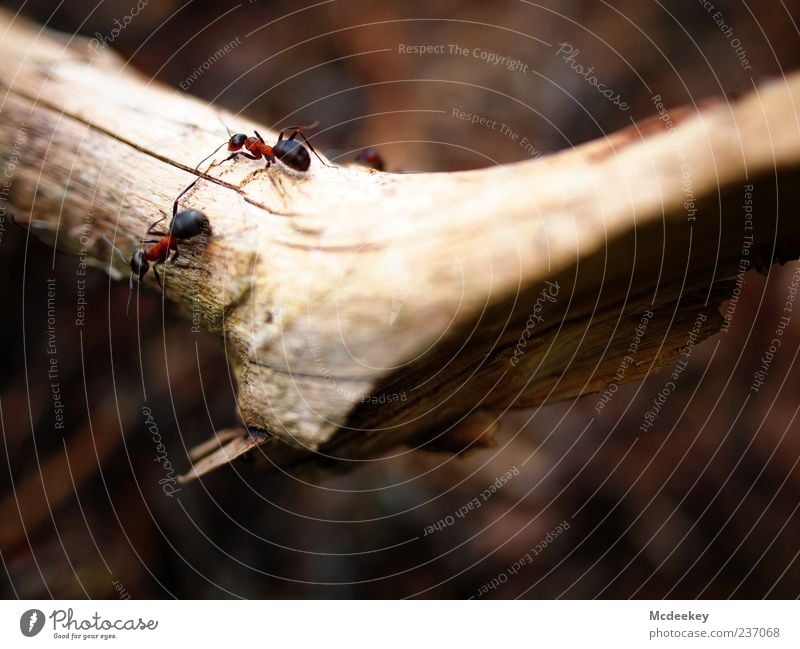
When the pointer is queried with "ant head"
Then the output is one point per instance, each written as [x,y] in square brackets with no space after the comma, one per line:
[139,265]
[188,224]
[237,141]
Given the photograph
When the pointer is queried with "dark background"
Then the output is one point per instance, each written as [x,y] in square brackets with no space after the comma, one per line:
[703,505]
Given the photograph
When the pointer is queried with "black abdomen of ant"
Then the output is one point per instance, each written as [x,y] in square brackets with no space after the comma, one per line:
[292,154]
[188,224]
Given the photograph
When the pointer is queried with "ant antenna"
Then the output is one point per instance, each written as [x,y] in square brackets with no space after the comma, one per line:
[230,134]
[117,250]
[127,263]
[222,121]
[210,155]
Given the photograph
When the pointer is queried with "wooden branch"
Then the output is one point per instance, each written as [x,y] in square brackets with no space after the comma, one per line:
[362,309]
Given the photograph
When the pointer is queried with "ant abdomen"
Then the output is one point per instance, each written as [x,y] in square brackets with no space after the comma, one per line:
[292,154]
[188,224]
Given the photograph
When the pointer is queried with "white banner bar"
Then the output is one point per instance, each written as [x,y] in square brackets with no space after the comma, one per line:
[400,625]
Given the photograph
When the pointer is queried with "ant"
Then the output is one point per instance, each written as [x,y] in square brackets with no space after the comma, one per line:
[185,225]
[370,158]
[287,149]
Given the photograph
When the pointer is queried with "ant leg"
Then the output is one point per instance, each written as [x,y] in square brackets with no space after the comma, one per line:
[261,139]
[296,128]
[247,155]
[150,229]
[174,259]
[130,296]
[310,146]
[158,279]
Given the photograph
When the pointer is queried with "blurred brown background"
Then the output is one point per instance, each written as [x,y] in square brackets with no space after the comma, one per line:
[703,505]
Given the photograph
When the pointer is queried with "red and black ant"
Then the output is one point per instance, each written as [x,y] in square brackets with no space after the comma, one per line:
[370,157]
[287,149]
[184,225]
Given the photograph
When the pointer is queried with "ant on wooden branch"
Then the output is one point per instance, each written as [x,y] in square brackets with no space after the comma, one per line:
[184,225]
[287,149]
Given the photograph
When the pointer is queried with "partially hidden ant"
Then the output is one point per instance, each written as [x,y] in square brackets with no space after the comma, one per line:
[371,158]
[184,225]
[287,149]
